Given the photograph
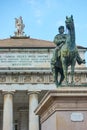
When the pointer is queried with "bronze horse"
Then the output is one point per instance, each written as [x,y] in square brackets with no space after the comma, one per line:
[68,54]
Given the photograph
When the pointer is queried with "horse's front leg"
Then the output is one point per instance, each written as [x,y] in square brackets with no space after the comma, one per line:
[65,69]
[65,74]
[72,71]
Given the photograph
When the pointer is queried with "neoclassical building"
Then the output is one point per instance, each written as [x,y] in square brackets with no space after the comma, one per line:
[25,77]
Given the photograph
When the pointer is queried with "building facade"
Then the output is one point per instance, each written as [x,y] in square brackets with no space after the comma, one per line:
[25,77]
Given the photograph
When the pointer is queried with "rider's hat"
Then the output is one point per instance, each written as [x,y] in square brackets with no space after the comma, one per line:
[61,27]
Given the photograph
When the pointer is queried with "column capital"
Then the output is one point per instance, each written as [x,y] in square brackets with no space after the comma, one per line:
[33,92]
[4,92]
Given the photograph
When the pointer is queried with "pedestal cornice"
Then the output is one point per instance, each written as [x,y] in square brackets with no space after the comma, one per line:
[66,98]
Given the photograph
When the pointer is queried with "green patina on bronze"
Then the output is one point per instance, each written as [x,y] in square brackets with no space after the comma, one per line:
[66,52]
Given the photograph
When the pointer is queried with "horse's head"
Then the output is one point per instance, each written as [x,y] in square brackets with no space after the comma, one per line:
[69,22]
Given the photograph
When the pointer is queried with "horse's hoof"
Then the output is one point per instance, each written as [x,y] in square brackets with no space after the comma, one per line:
[57,85]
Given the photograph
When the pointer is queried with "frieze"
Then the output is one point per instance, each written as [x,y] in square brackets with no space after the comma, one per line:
[15,79]
[77,78]
[2,79]
[44,78]
[51,80]
[39,79]
[28,79]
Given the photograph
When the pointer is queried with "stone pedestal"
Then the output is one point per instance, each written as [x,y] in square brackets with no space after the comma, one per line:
[64,109]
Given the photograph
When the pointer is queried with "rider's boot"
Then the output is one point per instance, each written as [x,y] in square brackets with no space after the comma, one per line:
[80,60]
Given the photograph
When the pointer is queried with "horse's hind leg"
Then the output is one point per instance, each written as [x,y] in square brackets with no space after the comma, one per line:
[55,76]
[72,74]
[62,76]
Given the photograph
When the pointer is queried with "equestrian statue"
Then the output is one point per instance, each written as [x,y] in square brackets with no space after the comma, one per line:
[66,53]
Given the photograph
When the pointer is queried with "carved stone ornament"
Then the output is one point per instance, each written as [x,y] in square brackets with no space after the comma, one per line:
[20,27]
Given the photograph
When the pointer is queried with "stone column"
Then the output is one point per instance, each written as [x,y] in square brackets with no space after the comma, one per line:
[8,111]
[33,103]
[1,117]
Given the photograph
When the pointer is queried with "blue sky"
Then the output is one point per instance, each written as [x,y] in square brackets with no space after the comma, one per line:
[43,17]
